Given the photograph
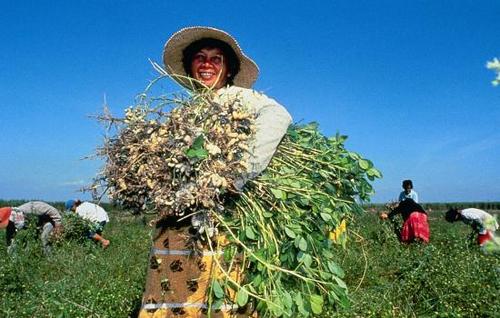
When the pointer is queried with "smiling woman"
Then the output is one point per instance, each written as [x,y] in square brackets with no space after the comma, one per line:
[214,59]
[210,63]
[209,67]
[195,49]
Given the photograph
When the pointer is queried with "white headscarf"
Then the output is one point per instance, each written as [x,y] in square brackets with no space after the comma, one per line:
[17,217]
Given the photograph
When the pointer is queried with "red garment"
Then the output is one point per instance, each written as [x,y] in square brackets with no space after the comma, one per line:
[415,227]
[4,217]
[483,238]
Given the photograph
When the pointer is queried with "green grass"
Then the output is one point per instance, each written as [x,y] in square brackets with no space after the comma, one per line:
[447,278]
[78,280]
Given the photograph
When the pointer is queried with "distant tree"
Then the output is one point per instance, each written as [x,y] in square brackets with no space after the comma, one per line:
[495,66]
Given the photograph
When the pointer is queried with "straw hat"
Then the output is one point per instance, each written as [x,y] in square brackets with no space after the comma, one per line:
[174,47]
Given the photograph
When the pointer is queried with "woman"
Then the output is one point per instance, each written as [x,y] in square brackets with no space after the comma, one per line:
[13,219]
[205,58]
[483,223]
[95,214]
[408,192]
[415,226]
[215,61]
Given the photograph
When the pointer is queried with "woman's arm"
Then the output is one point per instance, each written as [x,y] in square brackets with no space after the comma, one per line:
[271,123]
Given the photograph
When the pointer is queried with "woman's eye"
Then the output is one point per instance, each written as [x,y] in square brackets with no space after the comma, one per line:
[199,58]
[216,59]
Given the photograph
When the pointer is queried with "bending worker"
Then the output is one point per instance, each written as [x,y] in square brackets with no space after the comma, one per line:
[13,219]
[95,214]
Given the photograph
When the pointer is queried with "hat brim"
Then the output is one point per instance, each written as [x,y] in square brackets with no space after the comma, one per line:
[174,47]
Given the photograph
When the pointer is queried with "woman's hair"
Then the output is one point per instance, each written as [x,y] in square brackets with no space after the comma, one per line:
[11,231]
[407,183]
[232,61]
[451,215]
[408,206]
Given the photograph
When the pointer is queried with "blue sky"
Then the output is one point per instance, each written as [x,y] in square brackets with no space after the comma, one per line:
[405,80]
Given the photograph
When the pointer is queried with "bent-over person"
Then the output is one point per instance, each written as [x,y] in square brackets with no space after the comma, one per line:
[13,219]
[415,225]
[482,223]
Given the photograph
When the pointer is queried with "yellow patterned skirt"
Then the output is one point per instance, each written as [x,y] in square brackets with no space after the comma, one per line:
[178,278]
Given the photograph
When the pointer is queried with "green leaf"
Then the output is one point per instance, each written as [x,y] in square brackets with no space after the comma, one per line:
[335,269]
[302,244]
[296,184]
[278,194]
[276,307]
[325,275]
[284,257]
[354,155]
[326,217]
[340,282]
[374,173]
[249,233]
[197,153]
[196,150]
[316,304]
[198,142]
[335,292]
[287,300]
[242,297]
[298,300]
[217,304]
[306,259]
[344,301]
[257,280]
[300,305]
[331,189]
[267,214]
[260,267]
[364,164]
[217,289]
[327,254]
[304,201]
[290,233]
[227,254]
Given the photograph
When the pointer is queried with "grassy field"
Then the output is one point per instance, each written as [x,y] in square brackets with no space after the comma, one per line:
[447,278]
[79,279]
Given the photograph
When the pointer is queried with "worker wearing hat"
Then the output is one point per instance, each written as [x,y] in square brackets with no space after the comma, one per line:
[210,60]
[206,57]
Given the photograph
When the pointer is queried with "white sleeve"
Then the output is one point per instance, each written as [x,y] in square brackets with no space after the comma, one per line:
[271,123]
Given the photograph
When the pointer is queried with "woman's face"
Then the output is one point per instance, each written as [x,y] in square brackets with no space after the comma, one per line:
[209,66]
[407,188]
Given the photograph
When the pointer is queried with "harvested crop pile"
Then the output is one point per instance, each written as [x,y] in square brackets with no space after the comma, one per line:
[178,161]
[73,228]
[187,155]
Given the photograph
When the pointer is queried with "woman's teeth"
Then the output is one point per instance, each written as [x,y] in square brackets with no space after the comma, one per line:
[206,75]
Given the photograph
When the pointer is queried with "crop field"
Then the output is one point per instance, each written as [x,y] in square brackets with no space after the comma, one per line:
[449,277]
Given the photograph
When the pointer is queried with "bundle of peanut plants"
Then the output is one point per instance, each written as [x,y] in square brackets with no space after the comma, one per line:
[74,228]
[187,154]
